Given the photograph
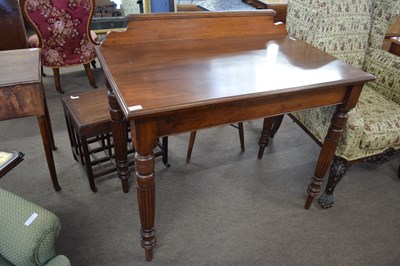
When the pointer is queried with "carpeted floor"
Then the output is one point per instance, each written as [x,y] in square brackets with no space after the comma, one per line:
[225,208]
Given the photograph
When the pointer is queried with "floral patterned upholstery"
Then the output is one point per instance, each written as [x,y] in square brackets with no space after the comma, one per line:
[63,26]
[316,22]
[353,30]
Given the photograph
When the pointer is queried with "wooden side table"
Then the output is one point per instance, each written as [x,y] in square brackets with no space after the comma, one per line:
[22,94]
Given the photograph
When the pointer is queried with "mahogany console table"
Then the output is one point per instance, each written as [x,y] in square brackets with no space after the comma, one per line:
[179,72]
[22,94]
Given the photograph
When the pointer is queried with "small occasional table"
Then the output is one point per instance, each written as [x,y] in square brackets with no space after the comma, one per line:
[22,94]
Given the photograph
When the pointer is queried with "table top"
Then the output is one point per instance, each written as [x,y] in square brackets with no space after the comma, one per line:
[19,67]
[155,77]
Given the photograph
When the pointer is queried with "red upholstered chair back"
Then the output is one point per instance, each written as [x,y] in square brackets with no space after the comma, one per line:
[63,28]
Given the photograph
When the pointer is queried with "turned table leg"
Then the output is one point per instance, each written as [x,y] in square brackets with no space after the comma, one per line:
[331,141]
[265,134]
[119,132]
[145,139]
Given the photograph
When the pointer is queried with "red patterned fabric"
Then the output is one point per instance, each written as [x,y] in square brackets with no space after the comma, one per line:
[63,27]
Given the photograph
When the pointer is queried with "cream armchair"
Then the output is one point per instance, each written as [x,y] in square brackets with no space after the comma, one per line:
[353,30]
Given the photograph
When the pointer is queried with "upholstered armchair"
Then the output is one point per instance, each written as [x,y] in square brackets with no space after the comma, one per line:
[353,30]
[27,231]
[63,34]
[26,240]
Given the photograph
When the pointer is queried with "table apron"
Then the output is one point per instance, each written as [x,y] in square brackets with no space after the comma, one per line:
[21,100]
[180,121]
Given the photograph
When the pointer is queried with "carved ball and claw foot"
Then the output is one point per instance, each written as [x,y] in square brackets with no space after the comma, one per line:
[337,171]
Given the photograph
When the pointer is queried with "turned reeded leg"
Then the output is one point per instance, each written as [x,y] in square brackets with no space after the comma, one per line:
[326,155]
[118,127]
[265,134]
[337,171]
[331,142]
[144,137]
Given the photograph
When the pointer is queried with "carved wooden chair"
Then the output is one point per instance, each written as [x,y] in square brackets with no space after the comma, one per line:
[63,34]
[352,30]
[192,138]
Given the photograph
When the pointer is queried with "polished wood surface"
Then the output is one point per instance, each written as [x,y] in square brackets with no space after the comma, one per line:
[22,94]
[395,46]
[12,27]
[215,70]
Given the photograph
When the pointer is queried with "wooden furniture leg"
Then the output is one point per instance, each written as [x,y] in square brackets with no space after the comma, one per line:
[90,75]
[144,135]
[190,148]
[165,151]
[49,127]
[48,151]
[57,81]
[277,125]
[265,133]
[241,134]
[89,170]
[337,171]
[193,137]
[331,141]
[118,128]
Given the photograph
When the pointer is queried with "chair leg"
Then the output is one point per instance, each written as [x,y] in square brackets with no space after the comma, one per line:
[265,133]
[241,135]
[90,75]
[57,80]
[277,124]
[337,171]
[190,148]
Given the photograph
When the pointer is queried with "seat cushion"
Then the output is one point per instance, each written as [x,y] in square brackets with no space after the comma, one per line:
[373,125]
[381,120]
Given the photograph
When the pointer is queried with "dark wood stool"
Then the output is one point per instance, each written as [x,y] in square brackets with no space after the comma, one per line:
[89,130]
